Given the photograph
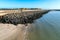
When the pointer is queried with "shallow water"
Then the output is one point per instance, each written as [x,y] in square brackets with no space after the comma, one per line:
[48,26]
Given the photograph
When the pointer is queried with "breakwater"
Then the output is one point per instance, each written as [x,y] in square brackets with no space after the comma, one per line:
[22,18]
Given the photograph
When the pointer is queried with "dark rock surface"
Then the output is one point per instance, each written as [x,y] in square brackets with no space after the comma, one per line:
[22,18]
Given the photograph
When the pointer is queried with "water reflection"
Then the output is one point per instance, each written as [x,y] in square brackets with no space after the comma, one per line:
[48,27]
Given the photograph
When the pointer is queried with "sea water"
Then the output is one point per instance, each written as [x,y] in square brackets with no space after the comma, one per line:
[45,28]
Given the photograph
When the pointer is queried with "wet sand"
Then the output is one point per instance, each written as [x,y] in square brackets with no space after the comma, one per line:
[19,32]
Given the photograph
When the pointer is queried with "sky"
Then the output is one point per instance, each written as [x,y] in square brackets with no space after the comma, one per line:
[45,4]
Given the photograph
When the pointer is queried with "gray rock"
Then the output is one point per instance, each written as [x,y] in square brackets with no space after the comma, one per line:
[22,18]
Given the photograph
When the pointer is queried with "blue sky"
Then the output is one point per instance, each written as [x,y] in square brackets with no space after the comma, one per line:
[45,4]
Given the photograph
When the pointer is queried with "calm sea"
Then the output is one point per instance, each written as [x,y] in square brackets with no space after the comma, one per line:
[48,27]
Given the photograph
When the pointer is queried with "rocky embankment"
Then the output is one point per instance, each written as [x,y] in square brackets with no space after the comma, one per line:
[8,31]
[22,18]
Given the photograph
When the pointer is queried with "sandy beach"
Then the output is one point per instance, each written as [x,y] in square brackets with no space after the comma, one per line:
[12,32]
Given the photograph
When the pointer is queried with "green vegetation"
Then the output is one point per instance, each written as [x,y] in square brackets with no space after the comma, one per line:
[19,8]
